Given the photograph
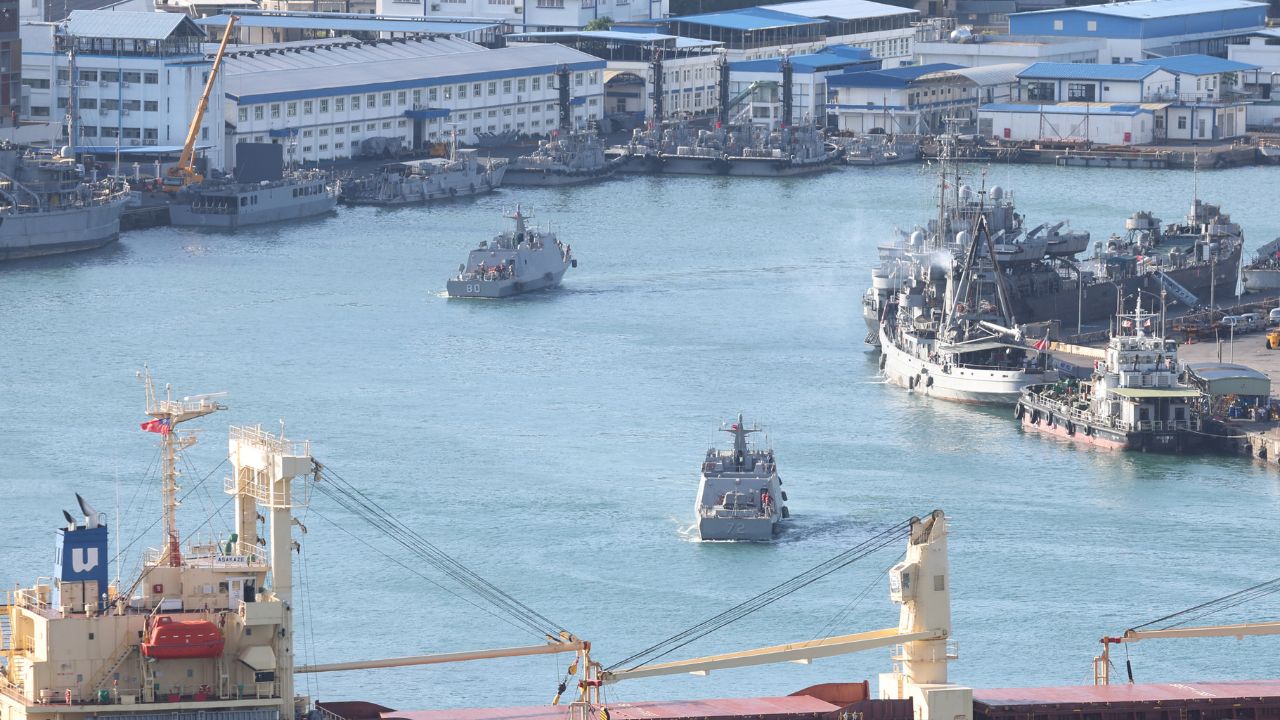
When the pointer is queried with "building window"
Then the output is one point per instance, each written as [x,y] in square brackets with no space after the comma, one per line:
[1040,91]
[39,111]
[506,86]
[386,99]
[110,76]
[151,105]
[536,83]
[400,98]
[107,132]
[339,104]
[151,78]
[324,105]
[417,98]
[462,92]
[1057,24]
[493,88]
[355,128]
[243,114]
[291,109]
[88,103]
[475,90]
[306,133]
[110,104]
[133,77]
[371,100]
[132,105]
[355,102]
[150,134]
[371,126]
[323,132]
[432,95]
[307,107]
[1092,26]
[1081,92]
[386,125]
[257,112]
[339,130]
[88,131]
[520,85]
[89,75]
[1182,122]
[275,110]
[577,78]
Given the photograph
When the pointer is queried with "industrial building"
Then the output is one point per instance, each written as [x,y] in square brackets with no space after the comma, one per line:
[324,99]
[970,50]
[802,27]
[689,71]
[260,27]
[1138,29]
[1096,122]
[528,15]
[1262,83]
[759,83]
[138,78]
[894,100]
[1054,82]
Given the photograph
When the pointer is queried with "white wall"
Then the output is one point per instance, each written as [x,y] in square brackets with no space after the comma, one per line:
[1205,123]
[998,53]
[1257,52]
[1104,129]
[331,126]
[526,15]
[141,112]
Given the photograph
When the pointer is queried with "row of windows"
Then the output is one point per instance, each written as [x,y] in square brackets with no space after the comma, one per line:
[113,104]
[110,76]
[401,98]
[243,113]
[128,133]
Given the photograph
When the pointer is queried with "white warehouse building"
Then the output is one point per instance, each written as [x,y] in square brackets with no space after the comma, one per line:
[324,98]
[139,76]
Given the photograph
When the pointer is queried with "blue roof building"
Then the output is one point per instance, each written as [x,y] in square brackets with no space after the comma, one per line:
[762,79]
[897,78]
[1198,65]
[1137,29]
[914,99]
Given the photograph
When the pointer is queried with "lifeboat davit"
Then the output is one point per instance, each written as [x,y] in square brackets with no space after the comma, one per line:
[183,640]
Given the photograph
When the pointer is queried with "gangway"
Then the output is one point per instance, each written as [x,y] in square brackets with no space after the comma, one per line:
[1183,295]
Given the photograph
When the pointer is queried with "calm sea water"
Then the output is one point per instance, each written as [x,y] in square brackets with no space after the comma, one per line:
[552,442]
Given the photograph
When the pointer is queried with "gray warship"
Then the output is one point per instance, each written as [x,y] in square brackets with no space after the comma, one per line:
[49,207]
[740,494]
[739,150]
[227,203]
[513,263]
[567,158]
[415,182]
[1043,275]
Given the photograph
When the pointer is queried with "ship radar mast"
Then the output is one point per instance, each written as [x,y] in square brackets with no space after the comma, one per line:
[167,413]
[740,431]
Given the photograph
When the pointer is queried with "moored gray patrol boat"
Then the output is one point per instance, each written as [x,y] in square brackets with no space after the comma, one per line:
[227,203]
[48,207]
[414,182]
[740,494]
[567,158]
[512,263]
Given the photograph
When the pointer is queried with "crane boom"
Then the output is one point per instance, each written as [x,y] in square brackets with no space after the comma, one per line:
[1102,663]
[550,648]
[801,652]
[185,172]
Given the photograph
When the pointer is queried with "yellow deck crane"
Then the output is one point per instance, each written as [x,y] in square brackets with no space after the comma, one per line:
[184,173]
[1102,663]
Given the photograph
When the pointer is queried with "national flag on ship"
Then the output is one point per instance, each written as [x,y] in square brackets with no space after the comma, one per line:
[159,425]
[1043,343]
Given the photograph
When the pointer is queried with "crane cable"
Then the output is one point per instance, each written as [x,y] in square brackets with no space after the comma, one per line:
[766,598]
[351,498]
[1226,602]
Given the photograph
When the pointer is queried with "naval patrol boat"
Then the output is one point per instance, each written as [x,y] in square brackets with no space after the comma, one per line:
[512,263]
[740,495]
[416,182]
[567,158]
[227,203]
[48,206]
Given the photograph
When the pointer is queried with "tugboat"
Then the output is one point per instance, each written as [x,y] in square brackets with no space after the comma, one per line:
[1133,402]
[415,182]
[49,207]
[568,158]
[513,263]
[740,496]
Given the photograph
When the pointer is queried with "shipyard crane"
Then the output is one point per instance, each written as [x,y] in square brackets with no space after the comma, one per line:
[919,583]
[1173,628]
[184,173]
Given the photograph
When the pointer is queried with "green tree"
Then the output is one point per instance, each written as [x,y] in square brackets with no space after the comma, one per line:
[600,23]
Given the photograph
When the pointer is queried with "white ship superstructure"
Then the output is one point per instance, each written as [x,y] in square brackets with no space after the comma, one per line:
[203,633]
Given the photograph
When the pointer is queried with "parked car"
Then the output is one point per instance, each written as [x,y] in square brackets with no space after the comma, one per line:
[1274,316]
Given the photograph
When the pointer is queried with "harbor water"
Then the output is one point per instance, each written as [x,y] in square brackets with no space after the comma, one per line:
[552,442]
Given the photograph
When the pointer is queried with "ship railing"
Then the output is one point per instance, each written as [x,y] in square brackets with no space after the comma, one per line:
[35,597]
[748,513]
[282,445]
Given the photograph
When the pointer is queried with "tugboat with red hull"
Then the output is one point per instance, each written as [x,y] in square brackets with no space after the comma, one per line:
[1133,402]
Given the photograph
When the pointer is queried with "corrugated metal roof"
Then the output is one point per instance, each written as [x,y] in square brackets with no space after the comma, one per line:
[1002,74]
[617,35]
[253,83]
[833,57]
[1198,64]
[892,78]
[1087,71]
[1147,693]
[1148,9]
[752,18]
[840,9]
[127,25]
[332,52]
[348,24]
[796,706]
[1223,371]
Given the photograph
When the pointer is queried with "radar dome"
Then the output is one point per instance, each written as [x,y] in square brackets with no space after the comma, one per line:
[962,237]
[966,193]
[997,192]
[917,238]
[962,34]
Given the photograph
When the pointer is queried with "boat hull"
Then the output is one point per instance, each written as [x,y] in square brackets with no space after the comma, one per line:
[186,216]
[959,384]
[546,177]
[1260,280]
[737,529]
[30,235]
[1035,418]
[493,289]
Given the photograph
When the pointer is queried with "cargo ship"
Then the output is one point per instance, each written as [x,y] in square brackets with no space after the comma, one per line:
[205,632]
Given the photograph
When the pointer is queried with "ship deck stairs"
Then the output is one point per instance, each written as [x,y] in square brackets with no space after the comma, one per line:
[122,653]
[1184,296]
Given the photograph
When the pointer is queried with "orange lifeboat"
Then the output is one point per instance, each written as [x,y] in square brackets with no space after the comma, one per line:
[183,640]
